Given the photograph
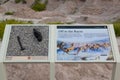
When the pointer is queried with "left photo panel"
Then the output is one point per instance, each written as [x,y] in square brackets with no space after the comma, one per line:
[28,43]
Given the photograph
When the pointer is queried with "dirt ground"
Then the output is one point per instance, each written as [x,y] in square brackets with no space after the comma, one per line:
[64,11]
[63,71]
[28,71]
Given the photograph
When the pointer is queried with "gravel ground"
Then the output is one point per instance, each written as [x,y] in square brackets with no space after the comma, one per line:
[29,42]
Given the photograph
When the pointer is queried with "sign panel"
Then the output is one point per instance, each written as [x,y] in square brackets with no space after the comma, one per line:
[83,43]
[55,44]
[28,43]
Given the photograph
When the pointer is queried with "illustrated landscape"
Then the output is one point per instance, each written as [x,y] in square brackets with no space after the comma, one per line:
[84,44]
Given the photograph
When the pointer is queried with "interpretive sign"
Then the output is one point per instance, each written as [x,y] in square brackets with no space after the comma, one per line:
[83,43]
[50,50]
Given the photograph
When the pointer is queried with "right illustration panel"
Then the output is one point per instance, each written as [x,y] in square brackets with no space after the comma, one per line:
[83,43]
